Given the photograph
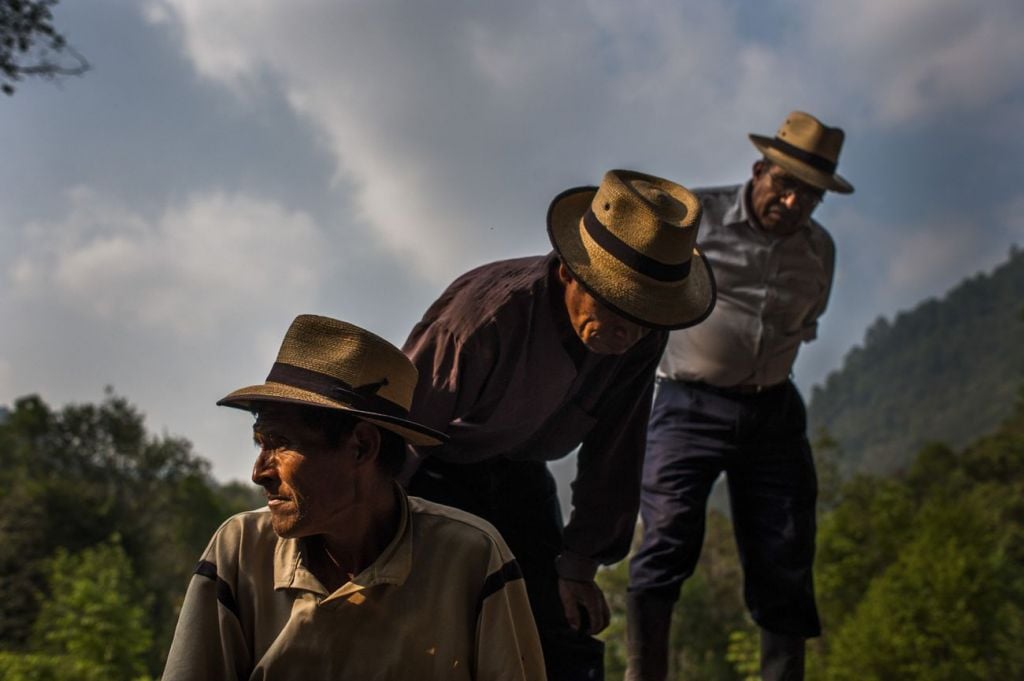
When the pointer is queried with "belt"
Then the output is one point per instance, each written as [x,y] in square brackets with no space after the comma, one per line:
[742,390]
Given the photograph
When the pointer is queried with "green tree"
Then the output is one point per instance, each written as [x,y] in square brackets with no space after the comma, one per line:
[613,582]
[857,541]
[947,370]
[709,613]
[87,471]
[949,608]
[96,611]
[47,667]
[922,576]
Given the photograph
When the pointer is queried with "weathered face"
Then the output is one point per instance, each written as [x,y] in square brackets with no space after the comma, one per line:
[601,330]
[781,203]
[310,483]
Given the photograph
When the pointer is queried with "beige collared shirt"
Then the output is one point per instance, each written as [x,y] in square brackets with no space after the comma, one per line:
[771,291]
[445,600]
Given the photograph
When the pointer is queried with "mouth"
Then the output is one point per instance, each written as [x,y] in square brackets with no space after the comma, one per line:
[608,346]
[275,500]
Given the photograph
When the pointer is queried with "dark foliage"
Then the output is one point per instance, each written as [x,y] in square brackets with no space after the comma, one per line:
[85,473]
[31,46]
[946,371]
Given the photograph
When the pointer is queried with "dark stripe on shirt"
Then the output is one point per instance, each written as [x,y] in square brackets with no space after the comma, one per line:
[496,581]
[207,569]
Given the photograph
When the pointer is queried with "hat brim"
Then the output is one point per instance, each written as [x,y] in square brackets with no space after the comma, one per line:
[801,170]
[413,433]
[635,296]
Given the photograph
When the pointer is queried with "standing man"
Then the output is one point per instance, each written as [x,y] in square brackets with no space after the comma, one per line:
[342,576]
[725,402]
[521,361]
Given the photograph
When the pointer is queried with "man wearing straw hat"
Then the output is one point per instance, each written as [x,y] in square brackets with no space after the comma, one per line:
[725,402]
[343,576]
[523,360]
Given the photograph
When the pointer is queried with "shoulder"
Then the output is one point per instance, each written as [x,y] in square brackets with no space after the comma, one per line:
[718,192]
[501,291]
[821,240]
[252,522]
[450,527]
[240,538]
[719,201]
[490,287]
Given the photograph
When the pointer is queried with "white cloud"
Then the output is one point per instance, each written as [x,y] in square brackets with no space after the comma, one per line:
[188,271]
[925,256]
[886,266]
[455,124]
[916,60]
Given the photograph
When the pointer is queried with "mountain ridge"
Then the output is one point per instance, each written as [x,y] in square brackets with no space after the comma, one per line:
[947,370]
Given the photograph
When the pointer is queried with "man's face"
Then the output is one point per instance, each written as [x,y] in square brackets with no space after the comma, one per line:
[601,330]
[310,483]
[781,203]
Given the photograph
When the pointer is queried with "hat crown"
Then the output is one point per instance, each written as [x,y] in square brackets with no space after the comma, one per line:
[655,217]
[806,132]
[808,149]
[350,354]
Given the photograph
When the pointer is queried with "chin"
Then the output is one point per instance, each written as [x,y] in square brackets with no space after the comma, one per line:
[287,528]
[599,348]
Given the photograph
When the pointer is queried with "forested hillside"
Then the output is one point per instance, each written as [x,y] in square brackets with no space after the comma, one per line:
[920,576]
[101,525]
[946,371]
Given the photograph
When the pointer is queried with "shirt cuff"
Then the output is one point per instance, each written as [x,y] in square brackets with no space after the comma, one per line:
[573,566]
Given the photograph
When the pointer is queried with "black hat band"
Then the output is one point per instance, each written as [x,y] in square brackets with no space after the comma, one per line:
[363,398]
[817,162]
[628,255]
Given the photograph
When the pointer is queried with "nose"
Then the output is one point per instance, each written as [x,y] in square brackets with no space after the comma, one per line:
[264,470]
[790,200]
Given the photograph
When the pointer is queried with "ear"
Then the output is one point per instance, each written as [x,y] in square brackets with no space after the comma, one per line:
[760,166]
[366,442]
[564,275]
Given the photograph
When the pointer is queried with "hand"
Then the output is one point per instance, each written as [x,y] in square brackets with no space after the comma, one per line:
[575,594]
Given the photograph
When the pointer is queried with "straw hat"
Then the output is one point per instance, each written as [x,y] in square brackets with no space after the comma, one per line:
[630,243]
[808,149]
[328,363]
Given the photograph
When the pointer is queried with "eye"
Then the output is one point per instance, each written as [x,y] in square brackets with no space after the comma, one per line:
[270,443]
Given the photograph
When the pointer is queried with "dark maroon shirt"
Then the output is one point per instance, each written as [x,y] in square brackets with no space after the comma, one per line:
[502,372]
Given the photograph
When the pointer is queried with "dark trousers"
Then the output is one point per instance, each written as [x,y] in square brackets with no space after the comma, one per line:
[760,442]
[520,499]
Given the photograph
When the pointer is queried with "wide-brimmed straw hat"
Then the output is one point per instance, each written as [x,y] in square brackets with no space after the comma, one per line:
[328,363]
[630,243]
[808,149]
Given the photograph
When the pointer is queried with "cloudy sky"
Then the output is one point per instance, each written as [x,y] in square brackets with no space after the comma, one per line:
[227,165]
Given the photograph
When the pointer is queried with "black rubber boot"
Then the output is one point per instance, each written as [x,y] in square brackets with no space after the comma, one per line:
[648,620]
[782,657]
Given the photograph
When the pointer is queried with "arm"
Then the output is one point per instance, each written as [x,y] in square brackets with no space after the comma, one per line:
[208,641]
[827,253]
[606,492]
[507,647]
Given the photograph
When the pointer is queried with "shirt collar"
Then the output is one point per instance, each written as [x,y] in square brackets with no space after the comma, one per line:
[739,209]
[393,566]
